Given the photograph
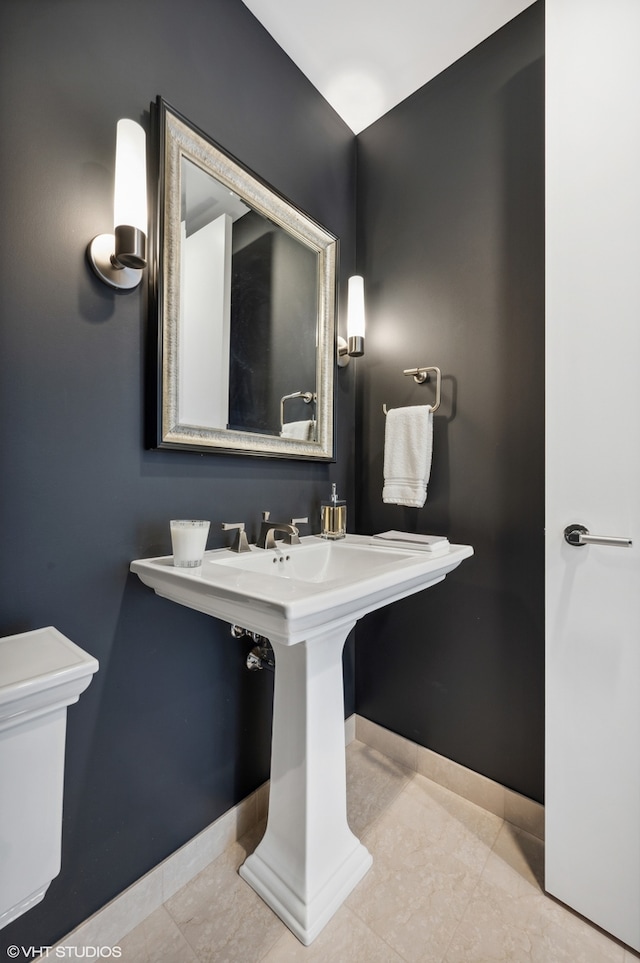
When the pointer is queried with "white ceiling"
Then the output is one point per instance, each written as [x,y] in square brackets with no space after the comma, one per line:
[365,56]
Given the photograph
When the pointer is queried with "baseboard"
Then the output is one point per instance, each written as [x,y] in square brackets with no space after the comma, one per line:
[517,809]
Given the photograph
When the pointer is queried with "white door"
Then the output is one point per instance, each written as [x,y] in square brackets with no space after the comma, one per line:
[592,791]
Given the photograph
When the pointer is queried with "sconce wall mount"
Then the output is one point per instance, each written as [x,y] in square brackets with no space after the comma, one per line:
[108,261]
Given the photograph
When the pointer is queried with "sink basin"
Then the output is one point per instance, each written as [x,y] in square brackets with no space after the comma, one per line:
[314,561]
[294,592]
[305,599]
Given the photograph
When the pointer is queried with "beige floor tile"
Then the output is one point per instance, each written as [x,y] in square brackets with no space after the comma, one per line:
[450,883]
[414,901]
[498,932]
[510,920]
[517,861]
[220,916]
[345,939]
[373,782]
[455,824]
[408,828]
[156,940]
[526,930]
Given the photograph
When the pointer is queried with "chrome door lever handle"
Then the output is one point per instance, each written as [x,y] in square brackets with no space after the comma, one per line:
[578,535]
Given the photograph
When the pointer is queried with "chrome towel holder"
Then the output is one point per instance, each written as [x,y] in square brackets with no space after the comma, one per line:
[420,376]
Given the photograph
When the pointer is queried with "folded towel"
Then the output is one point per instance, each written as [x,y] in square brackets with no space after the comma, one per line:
[434,544]
[299,429]
[408,444]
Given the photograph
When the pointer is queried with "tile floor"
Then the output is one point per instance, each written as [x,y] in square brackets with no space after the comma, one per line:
[450,883]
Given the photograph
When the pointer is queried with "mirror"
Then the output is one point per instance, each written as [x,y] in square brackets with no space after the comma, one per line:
[245,289]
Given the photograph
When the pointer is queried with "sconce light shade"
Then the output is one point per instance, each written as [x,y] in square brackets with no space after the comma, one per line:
[354,348]
[355,316]
[130,190]
[119,258]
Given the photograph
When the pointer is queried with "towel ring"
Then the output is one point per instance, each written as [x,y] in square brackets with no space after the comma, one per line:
[420,376]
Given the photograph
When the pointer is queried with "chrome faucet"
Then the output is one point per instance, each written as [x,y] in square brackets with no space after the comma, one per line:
[266,538]
[240,543]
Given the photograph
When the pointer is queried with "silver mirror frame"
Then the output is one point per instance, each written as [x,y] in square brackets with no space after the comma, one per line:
[178,139]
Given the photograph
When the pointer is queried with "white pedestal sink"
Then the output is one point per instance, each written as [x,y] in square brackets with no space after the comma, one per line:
[305,599]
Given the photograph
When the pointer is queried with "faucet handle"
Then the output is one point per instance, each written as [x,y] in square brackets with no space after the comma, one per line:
[266,516]
[240,544]
[293,538]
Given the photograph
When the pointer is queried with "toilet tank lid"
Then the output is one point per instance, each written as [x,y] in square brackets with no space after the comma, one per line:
[38,660]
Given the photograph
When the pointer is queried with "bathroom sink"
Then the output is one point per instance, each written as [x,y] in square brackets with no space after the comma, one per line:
[305,599]
[318,561]
[295,591]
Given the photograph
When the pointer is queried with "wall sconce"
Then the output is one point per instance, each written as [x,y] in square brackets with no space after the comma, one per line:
[118,259]
[355,323]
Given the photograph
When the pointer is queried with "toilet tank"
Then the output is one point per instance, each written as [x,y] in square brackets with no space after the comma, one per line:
[41,673]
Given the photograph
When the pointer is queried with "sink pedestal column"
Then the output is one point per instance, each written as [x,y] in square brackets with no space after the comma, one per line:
[309,860]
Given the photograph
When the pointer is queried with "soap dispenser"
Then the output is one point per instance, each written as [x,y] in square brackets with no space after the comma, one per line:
[333,517]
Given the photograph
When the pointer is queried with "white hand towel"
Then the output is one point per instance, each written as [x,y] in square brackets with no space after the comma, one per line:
[434,544]
[408,445]
[298,429]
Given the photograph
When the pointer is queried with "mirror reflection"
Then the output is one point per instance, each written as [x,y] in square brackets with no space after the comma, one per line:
[246,289]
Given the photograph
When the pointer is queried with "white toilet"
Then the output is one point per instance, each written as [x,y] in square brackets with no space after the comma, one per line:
[41,673]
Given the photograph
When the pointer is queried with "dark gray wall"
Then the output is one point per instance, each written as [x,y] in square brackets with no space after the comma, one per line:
[173,730]
[450,241]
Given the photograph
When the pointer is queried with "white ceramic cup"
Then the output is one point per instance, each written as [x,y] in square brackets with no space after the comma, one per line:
[188,540]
